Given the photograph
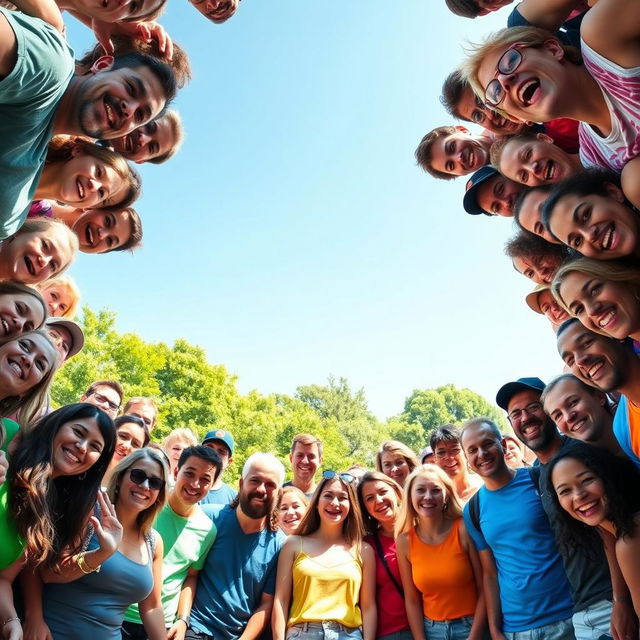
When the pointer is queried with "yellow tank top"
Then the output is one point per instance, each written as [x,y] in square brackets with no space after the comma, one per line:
[325,593]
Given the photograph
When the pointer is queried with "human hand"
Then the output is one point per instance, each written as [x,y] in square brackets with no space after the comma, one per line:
[4,465]
[624,622]
[108,528]
[145,31]
[177,631]
[36,629]
[12,630]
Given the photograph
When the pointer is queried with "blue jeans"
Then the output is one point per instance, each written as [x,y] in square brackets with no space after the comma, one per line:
[561,630]
[397,635]
[327,630]
[457,629]
[593,622]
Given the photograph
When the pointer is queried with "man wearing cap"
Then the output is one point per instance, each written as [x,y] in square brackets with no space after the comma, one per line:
[609,365]
[586,567]
[541,301]
[67,337]
[222,443]
[106,395]
[488,192]
[532,426]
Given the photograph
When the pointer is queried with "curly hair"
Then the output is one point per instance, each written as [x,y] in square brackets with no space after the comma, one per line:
[621,482]
[51,513]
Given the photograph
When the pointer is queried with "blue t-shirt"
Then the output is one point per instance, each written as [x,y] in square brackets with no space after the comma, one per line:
[29,97]
[224,495]
[239,568]
[622,430]
[533,586]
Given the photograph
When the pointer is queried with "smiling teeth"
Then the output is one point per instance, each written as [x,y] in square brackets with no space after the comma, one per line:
[5,326]
[604,321]
[608,237]
[586,507]
[16,367]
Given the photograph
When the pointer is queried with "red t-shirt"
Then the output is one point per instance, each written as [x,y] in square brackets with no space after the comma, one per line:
[392,616]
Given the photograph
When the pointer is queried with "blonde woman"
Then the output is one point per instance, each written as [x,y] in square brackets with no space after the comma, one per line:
[603,294]
[292,506]
[439,565]
[61,295]
[123,561]
[175,443]
[396,460]
[380,498]
[326,574]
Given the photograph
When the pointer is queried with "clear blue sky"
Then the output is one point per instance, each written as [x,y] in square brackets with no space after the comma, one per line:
[293,236]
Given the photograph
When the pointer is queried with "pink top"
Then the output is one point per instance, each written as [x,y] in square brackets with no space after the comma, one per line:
[391,613]
[621,89]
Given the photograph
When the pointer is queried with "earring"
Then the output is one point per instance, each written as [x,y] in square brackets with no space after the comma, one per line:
[82,476]
[445,506]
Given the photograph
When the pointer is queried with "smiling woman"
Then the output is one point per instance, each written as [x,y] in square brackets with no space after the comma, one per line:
[22,309]
[85,175]
[604,296]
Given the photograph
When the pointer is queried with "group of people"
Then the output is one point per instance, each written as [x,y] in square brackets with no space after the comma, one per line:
[556,93]
[107,534]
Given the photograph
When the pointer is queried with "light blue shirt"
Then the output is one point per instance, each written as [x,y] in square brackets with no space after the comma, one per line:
[29,96]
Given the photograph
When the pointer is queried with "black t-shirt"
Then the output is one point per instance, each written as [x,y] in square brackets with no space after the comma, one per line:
[569,32]
[587,569]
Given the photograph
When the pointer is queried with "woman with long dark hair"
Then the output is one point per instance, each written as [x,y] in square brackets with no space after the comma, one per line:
[592,487]
[45,504]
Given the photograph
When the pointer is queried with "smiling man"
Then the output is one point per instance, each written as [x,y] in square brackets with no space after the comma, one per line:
[235,590]
[222,442]
[449,152]
[609,365]
[525,584]
[488,192]
[305,459]
[187,534]
[40,96]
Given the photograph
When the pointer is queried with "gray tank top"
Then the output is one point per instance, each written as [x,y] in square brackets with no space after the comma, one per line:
[93,606]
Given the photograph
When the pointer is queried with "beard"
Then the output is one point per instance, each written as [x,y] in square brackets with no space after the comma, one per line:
[548,431]
[255,511]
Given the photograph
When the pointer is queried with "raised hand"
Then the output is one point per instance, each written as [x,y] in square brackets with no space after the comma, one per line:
[108,528]
[146,31]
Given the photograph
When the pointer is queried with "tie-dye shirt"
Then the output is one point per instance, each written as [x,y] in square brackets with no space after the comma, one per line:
[621,89]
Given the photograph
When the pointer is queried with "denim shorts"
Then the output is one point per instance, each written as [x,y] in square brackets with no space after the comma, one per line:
[327,630]
[561,630]
[594,622]
[457,629]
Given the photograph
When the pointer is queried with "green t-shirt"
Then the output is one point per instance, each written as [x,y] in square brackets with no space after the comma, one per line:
[29,96]
[12,545]
[10,428]
[186,544]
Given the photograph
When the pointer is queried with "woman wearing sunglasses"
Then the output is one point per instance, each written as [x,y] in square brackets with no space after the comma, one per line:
[326,574]
[122,561]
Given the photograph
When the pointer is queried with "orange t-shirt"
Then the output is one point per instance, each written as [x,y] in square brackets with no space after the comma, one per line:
[633,412]
[443,574]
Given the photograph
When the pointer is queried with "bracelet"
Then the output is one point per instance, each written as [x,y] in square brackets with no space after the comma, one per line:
[83,565]
[184,619]
[6,622]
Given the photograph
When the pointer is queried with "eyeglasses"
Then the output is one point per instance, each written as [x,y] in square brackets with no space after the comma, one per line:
[138,476]
[532,407]
[104,400]
[509,61]
[345,477]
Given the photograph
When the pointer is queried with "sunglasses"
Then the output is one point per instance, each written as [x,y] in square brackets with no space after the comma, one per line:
[138,476]
[345,477]
[509,61]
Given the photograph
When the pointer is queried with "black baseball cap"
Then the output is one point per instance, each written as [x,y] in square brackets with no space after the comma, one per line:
[470,200]
[507,391]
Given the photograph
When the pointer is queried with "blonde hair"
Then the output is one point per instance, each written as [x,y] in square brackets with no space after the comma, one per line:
[611,270]
[145,518]
[69,285]
[185,434]
[399,448]
[408,517]
[529,36]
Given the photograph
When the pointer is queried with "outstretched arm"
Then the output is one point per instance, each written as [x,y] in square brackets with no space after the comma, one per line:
[547,14]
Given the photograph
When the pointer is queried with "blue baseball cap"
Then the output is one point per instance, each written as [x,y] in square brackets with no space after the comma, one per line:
[470,200]
[507,391]
[222,436]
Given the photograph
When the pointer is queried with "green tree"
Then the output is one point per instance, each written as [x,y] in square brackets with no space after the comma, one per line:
[431,408]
